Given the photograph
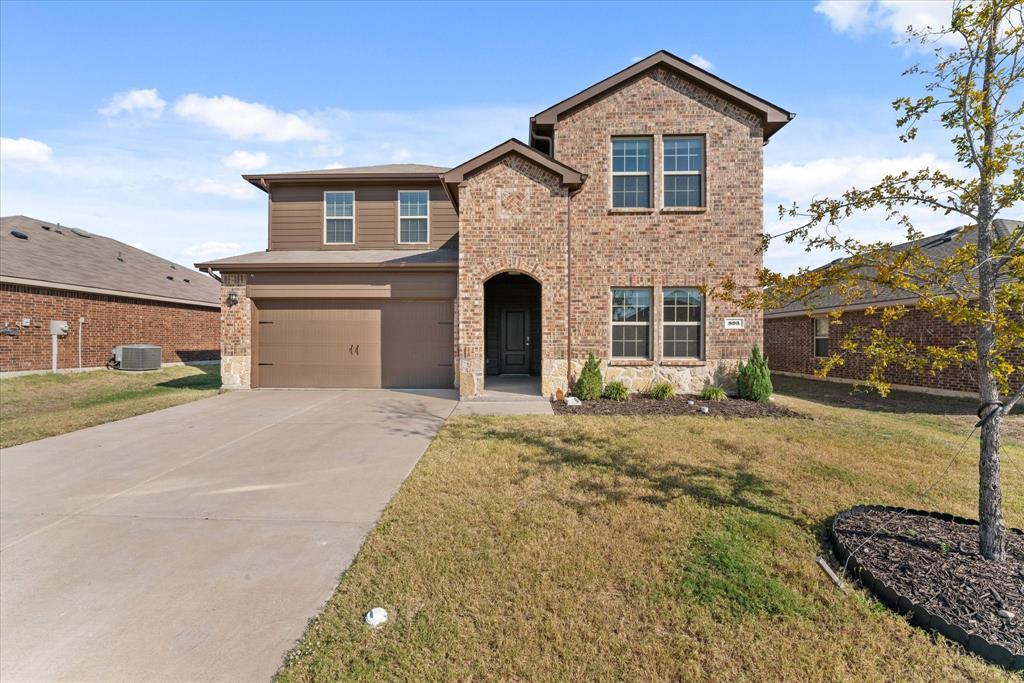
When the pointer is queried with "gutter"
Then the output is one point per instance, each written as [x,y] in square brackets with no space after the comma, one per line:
[42,284]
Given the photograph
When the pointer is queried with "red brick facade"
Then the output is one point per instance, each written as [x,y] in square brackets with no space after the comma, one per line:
[514,217]
[789,345]
[185,333]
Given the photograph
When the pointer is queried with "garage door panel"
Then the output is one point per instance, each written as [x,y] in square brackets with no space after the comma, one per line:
[352,344]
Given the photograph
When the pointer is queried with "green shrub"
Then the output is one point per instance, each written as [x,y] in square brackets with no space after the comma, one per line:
[713,392]
[616,391]
[589,384]
[754,379]
[661,391]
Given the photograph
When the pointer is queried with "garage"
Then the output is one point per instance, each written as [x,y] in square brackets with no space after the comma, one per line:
[353,344]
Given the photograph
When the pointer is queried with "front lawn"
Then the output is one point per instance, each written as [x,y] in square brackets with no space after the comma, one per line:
[36,406]
[644,548]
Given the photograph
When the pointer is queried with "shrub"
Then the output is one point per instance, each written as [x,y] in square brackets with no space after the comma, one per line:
[661,391]
[589,384]
[754,379]
[713,392]
[616,391]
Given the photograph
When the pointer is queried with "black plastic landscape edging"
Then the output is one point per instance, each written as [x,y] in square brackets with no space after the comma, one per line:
[919,616]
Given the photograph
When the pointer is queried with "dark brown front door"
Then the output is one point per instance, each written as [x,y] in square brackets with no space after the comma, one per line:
[515,341]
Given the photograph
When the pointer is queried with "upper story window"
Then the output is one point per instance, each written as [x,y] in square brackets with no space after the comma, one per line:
[631,323]
[413,217]
[631,172]
[683,322]
[821,337]
[339,217]
[684,171]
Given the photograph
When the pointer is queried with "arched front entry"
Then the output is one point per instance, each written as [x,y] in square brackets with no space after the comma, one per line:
[513,339]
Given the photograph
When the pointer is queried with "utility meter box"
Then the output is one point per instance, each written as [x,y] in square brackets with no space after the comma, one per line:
[59,327]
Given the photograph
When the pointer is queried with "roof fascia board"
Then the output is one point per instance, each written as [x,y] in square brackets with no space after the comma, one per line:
[4,279]
[314,267]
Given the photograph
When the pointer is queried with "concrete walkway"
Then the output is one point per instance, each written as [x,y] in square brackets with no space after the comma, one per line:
[507,395]
[194,543]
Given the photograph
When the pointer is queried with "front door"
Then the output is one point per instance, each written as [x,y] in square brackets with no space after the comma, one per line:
[515,341]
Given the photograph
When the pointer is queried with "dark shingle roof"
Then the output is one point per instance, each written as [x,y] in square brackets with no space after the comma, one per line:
[66,257]
[936,247]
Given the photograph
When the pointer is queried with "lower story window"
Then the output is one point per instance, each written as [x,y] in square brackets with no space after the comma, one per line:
[821,337]
[683,322]
[631,323]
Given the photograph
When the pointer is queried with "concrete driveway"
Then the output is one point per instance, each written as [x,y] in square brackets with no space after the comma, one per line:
[194,543]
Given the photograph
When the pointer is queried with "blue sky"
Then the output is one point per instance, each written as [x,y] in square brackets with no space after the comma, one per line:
[136,120]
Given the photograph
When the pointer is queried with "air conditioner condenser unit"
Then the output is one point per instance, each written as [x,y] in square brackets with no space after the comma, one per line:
[136,357]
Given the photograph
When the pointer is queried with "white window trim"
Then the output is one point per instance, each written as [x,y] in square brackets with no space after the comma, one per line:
[649,174]
[612,323]
[700,173]
[699,324]
[815,336]
[324,236]
[398,211]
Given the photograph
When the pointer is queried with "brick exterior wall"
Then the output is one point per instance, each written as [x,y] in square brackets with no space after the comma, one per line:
[789,347]
[512,218]
[185,333]
[658,248]
[236,333]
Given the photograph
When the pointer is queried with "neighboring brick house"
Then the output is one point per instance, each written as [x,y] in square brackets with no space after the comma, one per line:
[109,293]
[798,336]
[598,237]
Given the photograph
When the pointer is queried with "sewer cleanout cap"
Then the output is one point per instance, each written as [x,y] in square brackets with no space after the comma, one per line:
[376,617]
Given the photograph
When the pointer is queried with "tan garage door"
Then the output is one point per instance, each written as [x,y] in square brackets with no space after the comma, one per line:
[349,344]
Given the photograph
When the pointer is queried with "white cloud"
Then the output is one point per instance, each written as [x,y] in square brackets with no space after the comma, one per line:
[247,120]
[700,61]
[145,101]
[24,149]
[211,250]
[857,17]
[801,182]
[246,161]
[232,190]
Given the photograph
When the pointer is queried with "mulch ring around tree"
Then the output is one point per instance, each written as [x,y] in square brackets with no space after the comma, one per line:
[927,565]
[638,404]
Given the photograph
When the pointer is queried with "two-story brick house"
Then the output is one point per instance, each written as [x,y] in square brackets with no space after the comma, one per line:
[600,236]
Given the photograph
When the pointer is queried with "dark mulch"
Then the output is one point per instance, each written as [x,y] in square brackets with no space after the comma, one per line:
[935,563]
[680,405]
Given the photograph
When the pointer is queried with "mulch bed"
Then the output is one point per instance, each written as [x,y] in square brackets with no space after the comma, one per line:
[933,563]
[679,405]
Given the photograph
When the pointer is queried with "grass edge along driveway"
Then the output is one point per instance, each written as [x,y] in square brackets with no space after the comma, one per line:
[37,406]
[669,548]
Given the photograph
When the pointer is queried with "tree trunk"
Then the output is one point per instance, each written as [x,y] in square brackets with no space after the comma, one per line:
[991,542]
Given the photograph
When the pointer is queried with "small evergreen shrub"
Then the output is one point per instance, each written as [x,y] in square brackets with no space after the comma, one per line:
[589,385]
[713,392]
[754,379]
[661,391]
[616,391]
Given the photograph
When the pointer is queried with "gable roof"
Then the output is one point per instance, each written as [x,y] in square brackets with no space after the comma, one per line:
[569,176]
[59,257]
[774,117]
[379,172]
[936,248]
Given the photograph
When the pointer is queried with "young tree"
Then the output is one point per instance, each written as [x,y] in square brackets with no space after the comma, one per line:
[974,91]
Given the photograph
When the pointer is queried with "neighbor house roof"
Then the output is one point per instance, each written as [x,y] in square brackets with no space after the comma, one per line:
[59,257]
[935,247]
[381,172]
[354,259]
[568,176]
[774,116]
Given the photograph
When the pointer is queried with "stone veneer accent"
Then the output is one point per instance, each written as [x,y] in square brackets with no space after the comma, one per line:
[514,217]
[236,333]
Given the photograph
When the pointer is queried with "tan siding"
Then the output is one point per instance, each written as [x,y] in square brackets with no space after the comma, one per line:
[297,218]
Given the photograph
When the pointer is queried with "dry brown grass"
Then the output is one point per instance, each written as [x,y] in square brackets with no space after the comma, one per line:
[37,406]
[658,548]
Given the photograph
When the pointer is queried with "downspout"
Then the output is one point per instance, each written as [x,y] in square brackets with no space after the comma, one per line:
[568,281]
[209,271]
[550,140]
[81,319]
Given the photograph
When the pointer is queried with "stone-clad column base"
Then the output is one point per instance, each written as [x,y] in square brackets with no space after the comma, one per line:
[554,376]
[687,379]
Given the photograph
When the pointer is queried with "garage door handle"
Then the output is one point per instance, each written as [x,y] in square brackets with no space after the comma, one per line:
[350,347]
[262,364]
[357,349]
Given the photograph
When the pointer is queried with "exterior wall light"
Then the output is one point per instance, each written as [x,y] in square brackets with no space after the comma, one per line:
[232,298]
